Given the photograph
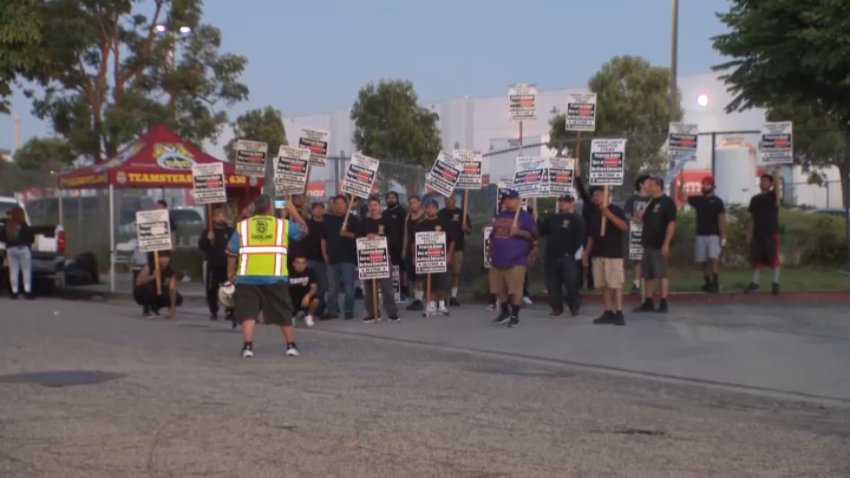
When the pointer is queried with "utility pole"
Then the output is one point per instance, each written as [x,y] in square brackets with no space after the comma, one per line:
[674,60]
[17,134]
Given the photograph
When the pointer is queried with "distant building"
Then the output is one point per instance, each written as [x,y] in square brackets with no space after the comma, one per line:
[6,155]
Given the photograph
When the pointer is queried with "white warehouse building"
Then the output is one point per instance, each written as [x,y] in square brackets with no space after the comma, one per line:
[483,124]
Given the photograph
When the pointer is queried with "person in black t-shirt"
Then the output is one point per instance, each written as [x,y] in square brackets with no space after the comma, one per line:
[317,257]
[373,226]
[342,257]
[607,253]
[453,216]
[396,215]
[303,290]
[711,233]
[439,281]
[763,235]
[564,233]
[588,210]
[416,215]
[213,244]
[659,225]
[145,293]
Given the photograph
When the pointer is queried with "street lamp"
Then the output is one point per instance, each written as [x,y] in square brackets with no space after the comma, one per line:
[702,100]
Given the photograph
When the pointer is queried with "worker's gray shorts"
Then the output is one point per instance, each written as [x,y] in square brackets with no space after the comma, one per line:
[707,248]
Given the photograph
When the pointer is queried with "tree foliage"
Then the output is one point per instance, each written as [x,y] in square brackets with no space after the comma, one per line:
[633,101]
[44,154]
[792,58]
[21,52]
[114,70]
[264,125]
[390,124]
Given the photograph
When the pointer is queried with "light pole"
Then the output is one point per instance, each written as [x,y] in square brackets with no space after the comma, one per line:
[674,60]
[172,35]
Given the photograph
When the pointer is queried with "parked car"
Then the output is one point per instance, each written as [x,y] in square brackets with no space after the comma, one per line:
[48,252]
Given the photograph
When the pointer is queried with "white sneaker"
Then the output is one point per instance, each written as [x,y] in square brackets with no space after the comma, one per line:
[247,352]
[443,310]
[292,351]
[308,320]
[491,307]
[431,309]
[527,300]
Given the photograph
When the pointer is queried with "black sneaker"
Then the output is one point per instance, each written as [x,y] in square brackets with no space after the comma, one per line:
[706,287]
[349,316]
[416,305]
[573,310]
[394,318]
[751,288]
[647,306]
[662,307]
[514,321]
[556,313]
[774,289]
[504,315]
[606,318]
[634,290]
[13,296]
[213,316]
[714,288]
[358,293]
[618,318]
[453,302]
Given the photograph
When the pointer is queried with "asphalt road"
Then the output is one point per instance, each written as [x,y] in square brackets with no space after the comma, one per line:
[449,397]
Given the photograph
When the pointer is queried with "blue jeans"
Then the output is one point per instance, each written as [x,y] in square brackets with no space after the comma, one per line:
[20,263]
[340,273]
[321,271]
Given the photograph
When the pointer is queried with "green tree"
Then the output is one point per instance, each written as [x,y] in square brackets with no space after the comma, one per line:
[264,125]
[44,154]
[791,57]
[21,54]
[115,70]
[633,101]
[390,124]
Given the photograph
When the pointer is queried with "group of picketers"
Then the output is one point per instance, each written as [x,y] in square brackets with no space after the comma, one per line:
[293,264]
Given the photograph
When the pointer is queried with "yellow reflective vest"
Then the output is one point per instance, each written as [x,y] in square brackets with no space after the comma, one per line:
[263,246]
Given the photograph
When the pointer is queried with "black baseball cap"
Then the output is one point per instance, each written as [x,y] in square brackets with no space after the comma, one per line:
[566,198]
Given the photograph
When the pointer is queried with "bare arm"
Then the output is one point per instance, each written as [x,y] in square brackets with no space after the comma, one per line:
[231,267]
[145,276]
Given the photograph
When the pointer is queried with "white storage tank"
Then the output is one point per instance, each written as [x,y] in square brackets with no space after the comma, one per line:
[735,172]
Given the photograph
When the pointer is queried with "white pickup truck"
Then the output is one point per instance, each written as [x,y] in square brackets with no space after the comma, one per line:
[48,252]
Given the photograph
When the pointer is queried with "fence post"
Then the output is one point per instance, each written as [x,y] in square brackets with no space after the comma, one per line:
[713,150]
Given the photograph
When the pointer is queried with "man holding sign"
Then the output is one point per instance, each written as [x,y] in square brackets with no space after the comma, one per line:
[439,282]
[511,241]
[374,265]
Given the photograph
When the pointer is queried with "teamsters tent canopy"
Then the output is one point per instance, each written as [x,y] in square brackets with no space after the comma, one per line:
[157,159]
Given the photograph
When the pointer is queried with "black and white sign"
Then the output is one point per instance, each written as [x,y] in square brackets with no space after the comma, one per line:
[208,183]
[635,246]
[522,98]
[471,176]
[581,112]
[561,172]
[607,162]
[444,175]
[396,285]
[487,231]
[373,258]
[153,230]
[682,142]
[531,179]
[317,142]
[430,252]
[251,158]
[360,175]
[777,143]
[291,169]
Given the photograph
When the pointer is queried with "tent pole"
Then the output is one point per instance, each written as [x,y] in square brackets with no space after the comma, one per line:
[111,239]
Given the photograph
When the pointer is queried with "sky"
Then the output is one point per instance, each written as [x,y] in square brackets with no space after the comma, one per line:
[312,56]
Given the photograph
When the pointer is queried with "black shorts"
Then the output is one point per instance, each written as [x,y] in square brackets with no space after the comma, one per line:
[272,299]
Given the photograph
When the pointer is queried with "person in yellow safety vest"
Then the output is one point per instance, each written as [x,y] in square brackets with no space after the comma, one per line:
[256,264]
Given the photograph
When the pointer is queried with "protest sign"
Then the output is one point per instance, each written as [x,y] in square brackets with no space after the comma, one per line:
[153,230]
[561,171]
[635,246]
[292,166]
[208,183]
[607,162]
[360,175]
[430,252]
[471,176]
[317,142]
[682,141]
[531,179]
[777,143]
[581,112]
[396,285]
[522,98]
[372,258]
[444,175]
[251,158]
[487,231]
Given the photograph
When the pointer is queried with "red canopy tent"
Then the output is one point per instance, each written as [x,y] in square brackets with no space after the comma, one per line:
[157,159]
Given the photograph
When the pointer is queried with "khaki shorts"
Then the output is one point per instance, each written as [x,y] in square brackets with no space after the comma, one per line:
[608,272]
[457,263]
[506,283]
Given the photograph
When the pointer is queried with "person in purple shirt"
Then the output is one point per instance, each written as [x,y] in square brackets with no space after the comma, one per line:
[511,242]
